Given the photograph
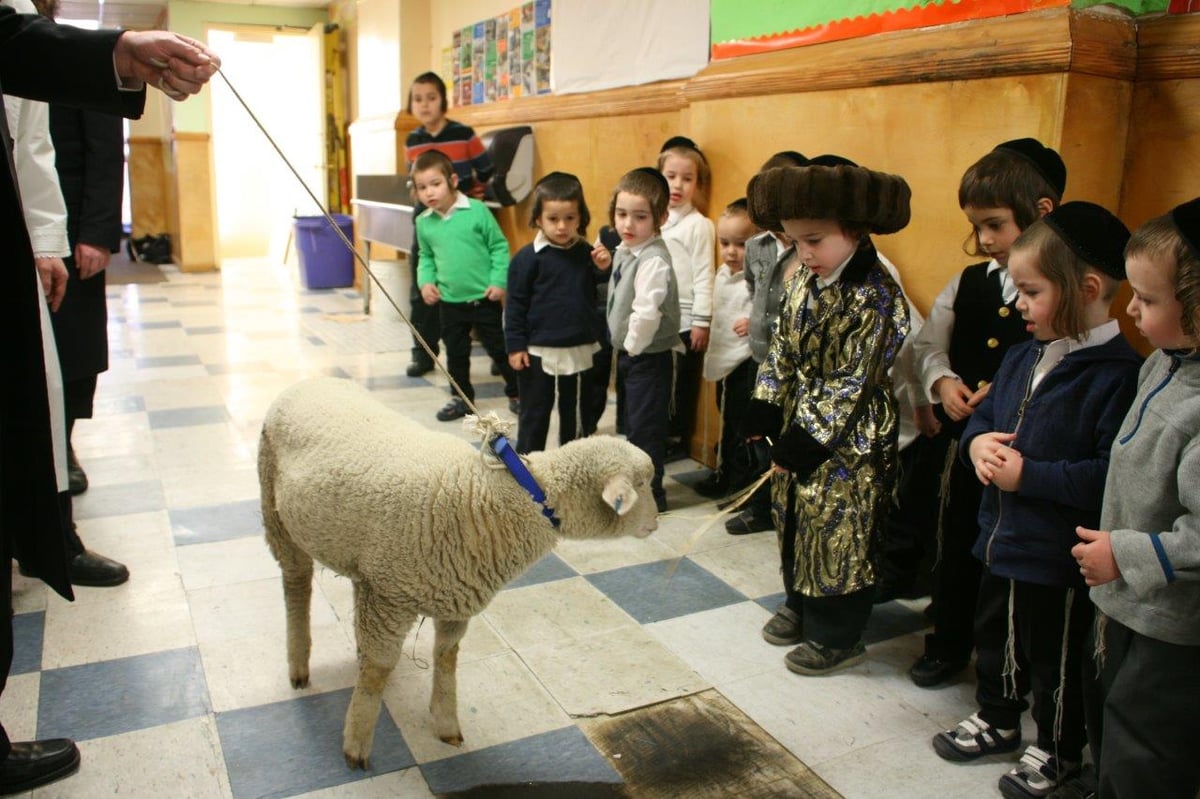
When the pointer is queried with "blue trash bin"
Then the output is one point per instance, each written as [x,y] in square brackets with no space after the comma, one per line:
[325,261]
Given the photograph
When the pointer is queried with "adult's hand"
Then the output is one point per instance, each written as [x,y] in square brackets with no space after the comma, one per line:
[175,64]
[53,274]
[91,260]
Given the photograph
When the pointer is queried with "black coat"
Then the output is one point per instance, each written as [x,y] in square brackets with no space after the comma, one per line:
[90,158]
[41,61]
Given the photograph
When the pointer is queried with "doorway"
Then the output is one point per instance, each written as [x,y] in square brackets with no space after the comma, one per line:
[280,75]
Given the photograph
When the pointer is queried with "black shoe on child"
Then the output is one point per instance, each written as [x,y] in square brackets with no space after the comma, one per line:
[454,409]
[784,628]
[713,486]
[418,367]
[514,405]
[815,659]
[748,522]
[1038,773]
[929,671]
[974,738]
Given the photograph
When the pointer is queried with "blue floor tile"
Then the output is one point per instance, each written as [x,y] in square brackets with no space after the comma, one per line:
[316,341]
[112,405]
[162,325]
[168,360]
[204,525]
[28,631]
[665,589]
[293,747]
[206,330]
[118,696]
[143,300]
[248,368]
[887,621]
[120,499]
[564,755]
[490,390]
[549,568]
[188,417]
[386,382]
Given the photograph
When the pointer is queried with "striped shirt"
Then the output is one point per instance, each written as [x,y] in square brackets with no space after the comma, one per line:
[457,142]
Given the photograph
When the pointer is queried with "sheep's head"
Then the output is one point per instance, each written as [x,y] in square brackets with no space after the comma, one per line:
[600,488]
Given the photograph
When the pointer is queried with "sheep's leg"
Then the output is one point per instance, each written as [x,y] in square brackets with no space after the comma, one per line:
[380,628]
[444,702]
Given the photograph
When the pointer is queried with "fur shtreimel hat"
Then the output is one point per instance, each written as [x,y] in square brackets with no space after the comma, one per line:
[1092,233]
[852,195]
[1187,218]
[1046,161]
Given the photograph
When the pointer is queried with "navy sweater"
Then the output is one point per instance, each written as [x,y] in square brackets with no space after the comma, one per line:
[551,298]
[1066,430]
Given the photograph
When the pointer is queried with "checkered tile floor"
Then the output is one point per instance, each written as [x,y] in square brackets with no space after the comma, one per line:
[175,684]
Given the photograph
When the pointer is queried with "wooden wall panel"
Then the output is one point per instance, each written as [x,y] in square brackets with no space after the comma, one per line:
[147,186]
[195,245]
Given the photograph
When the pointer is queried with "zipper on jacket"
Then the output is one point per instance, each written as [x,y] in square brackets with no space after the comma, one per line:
[1041,350]
[1175,363]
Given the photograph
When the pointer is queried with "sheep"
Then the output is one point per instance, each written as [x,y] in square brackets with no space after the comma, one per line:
[421,526]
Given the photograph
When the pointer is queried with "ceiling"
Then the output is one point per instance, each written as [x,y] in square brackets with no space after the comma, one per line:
[144,14]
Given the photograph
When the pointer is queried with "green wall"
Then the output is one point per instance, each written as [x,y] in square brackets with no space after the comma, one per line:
[192,19]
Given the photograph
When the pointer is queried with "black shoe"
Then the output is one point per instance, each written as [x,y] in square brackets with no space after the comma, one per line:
[676,451]
[419,366]
[77,481]
[89,569]
[713,486]
[930,671]
[514,405]
[33,763]
[660,502]
[454,409]
[495,370]
[747,522]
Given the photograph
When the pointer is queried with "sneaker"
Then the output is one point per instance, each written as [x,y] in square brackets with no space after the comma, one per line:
[1084,785]
[748,521]
[784,628]
[929,672]
[454,409]
[1038,773]
[973,738]
[814,659]
[514,405]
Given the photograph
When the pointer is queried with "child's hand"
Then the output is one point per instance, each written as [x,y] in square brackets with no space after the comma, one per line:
[988,452]
[601,257]
[699,339]
[955,397]
[1008,476]
[742,327]
[1095,557]
[430,293]
[494,293]
[926,421]
[518,360]
[477,190]
[978,396]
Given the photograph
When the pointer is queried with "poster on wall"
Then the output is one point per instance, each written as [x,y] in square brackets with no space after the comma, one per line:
[541,15]
[528,81]
[503,57]
[479,63]
[514,52]
[465,63]
[740,28]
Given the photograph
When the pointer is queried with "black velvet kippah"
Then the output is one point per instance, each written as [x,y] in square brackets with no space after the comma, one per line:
[1046,161]
[1092,233]
[1187,218]
[797,159]
[829,159]
[649,170]
[678,141]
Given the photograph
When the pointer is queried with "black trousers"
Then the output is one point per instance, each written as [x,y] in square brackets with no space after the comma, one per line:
[595,388]
[1143,715]
[6,630]
[78,399]
[836,621]
[486,317]
[425,318]
[911,531]
[688,366]
[733,397]
[647,380]
[957,573]
[1042,626]
[537,390]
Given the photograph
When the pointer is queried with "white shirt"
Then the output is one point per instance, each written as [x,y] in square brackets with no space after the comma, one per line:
[460,201]
[562,360]
[731,301]
[931,349]
[691,239]
[1060,348]
[649,291]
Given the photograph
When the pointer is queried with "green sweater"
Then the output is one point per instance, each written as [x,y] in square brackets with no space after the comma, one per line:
[463,253]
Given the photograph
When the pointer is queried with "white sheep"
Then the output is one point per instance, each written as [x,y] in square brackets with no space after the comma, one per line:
[421,527]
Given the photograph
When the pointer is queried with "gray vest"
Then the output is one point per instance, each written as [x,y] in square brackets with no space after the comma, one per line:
[620,302]
[764,271]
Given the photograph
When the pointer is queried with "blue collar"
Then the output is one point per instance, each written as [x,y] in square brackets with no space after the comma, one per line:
[512,460]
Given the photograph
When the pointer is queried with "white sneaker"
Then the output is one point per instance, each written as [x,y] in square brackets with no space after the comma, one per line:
[1037,773]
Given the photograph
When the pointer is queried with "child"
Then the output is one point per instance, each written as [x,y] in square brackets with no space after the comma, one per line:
[824,395]
[643,313]
[1141,699]
[549,318]
[427,102]
[770,260]
[690,236]
[727,361]
[464,270]
[1039,443]
[972,324]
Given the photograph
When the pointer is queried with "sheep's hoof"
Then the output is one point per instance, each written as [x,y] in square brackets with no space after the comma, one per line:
[300,680]
[455,739]
[354,761]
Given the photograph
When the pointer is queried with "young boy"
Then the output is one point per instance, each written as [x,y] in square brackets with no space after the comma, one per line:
[464,269]
[727,360]
[643,313]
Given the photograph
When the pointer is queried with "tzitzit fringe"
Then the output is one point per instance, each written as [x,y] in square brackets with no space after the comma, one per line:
[1010,646]
[1101,650]
[1062,671]
[944,496]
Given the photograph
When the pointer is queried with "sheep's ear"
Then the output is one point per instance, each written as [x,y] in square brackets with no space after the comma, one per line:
[619,494]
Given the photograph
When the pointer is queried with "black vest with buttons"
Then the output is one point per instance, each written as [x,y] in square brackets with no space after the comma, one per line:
[984,327]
